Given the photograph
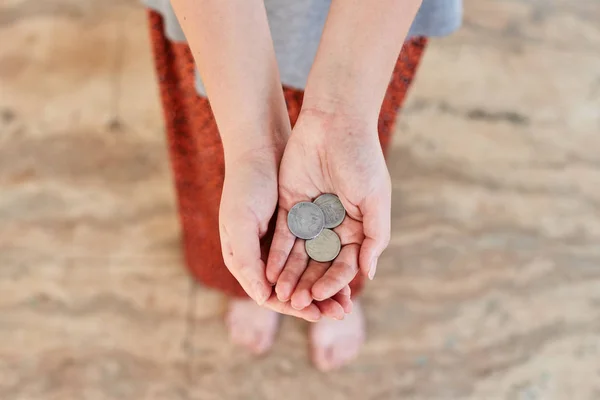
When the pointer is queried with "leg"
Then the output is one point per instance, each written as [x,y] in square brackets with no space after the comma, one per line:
[335,343]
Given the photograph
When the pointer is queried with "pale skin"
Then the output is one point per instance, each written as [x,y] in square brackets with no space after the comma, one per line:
[333,149]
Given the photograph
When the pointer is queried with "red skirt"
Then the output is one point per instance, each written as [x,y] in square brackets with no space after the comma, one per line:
[196,152]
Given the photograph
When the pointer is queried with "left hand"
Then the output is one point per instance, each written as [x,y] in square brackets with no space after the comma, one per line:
[331,153]
[247,205]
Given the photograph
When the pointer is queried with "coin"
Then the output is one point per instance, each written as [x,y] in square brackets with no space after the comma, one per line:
[306,220]
[324,247]
[332,208]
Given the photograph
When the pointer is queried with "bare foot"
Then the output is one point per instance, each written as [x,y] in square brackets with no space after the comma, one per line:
[336,343]
[251,326]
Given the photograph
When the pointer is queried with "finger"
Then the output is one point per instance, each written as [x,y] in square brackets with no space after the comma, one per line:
[350,231]
[340,274]
[345,301]
[242,255]
[331,308]
[293,270]
[282,244]
[377,228]
[302,296]
[346,290]
[310,313]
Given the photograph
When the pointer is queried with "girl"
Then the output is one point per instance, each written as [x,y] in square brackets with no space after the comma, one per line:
[322,67]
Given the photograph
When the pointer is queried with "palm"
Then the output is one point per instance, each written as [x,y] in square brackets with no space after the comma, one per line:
[314,163]
[333,160]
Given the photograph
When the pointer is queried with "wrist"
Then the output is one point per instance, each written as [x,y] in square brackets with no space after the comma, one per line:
[261,130]
[341,99]
[264,148]
[337,118]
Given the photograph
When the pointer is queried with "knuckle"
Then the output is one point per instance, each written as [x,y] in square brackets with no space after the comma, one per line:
[296,257]
[285,279]
[282,230]
[311,275]
[357,236]
[344,268]
[333,283]
[282,282]
[276,257]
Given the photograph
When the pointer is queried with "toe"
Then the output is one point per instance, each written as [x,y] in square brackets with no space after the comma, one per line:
[241,337]
[321,357]
[344,351]
[251,326]
[260,344]
[336,343]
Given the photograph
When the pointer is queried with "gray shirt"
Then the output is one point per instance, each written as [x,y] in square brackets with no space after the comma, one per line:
[296,27]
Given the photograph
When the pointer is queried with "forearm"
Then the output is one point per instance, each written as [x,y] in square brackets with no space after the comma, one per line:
[357,54]
[231,44]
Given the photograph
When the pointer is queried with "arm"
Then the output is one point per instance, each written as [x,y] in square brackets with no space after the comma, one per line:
[359,48]
[357,54]
[338,125]
[231,44]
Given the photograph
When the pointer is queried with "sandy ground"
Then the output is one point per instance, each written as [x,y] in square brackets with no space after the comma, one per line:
[490,288]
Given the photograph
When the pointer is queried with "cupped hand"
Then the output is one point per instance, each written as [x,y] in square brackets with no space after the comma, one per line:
[331,153]
[248,203]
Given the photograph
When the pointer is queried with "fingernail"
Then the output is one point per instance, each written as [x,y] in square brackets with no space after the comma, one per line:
[300,304]
[260,294]
[314,320]
[317,298]
[281,297]
[373,268]
[297,306]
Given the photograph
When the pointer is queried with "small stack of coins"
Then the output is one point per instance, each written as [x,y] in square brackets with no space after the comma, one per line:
[314,223]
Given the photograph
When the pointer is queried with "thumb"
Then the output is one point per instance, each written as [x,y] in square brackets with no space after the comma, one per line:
[240,243]
[376,212]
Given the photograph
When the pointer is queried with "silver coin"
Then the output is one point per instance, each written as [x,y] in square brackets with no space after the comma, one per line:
[324,247]
[306,220]
[332,208]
